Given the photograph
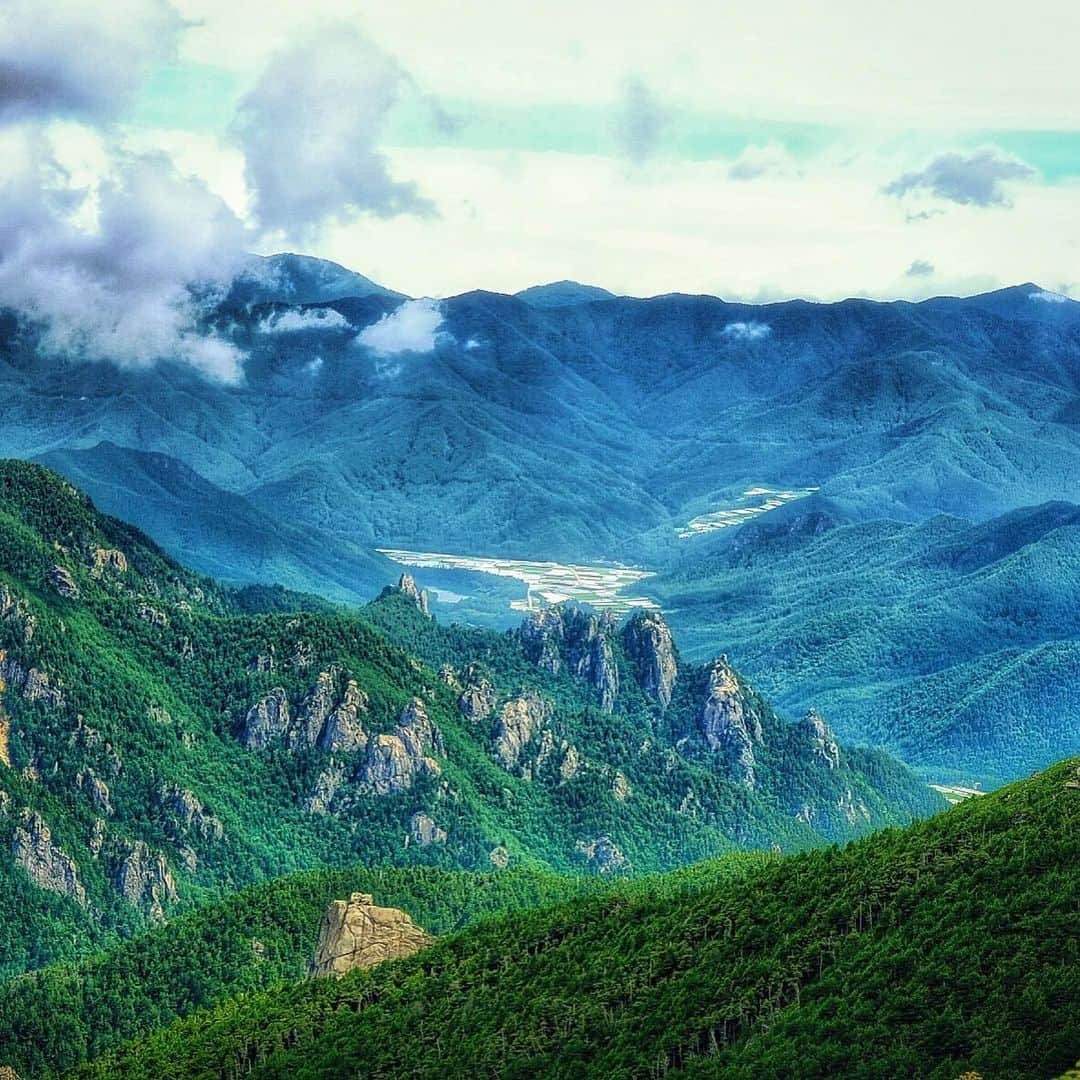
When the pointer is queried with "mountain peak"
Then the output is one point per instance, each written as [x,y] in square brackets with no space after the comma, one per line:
[563,294]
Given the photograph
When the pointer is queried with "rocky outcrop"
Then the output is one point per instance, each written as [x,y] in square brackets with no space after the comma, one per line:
[499,857]
[570,638]
[15,612]
[144,880]
[602,854]
[187,816]
[5,737]
[728,723]
[477,699]
[394,761]
[542,636]
[152,616]
[267,720]
[407,584]
[107,560]
[423,831]
[327,718]
[34,685]
[358,934]
[45,864]
[520,720]
[823,744]
[321,796]
[343,731]
[650,647]
[62,581]
[96,789]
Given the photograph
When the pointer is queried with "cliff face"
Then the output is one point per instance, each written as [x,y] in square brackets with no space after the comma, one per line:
[45,864]
[568,638]
[728,723]
[358,934]
[650,646]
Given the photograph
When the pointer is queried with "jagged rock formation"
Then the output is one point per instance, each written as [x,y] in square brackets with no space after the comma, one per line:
[5,735]
[343,731]
[499,857]
[153,616]
[407,584]
[602,854]
[394,761]
[45,864]
[330,720]
[577,640]
[358,934]
[520,720]
[62,581]
[15,611]
[267,720]
[144,879]
[477,699]
[106,560]
[34,685]
[187,815]
[727,722]
[823,744]
[423,831]
[542,636]
[649,644]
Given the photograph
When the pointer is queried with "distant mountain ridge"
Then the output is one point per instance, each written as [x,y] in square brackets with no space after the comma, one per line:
[585,432]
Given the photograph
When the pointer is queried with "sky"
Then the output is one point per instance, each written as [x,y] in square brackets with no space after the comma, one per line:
[753,151]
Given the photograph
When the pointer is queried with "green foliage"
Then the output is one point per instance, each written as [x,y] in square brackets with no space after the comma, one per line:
[63,1015]
[945,947]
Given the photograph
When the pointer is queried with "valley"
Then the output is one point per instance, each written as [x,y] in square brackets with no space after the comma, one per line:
[546,583]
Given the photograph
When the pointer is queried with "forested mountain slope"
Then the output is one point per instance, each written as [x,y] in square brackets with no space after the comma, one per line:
[163,741]
[945,947]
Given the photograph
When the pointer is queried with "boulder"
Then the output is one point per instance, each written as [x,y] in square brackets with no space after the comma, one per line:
[358,934]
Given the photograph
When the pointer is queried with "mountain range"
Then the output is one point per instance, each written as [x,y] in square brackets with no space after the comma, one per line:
[759,459]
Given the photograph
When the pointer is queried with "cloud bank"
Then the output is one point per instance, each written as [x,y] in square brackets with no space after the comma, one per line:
[119,289]
[412,327]
[73,59]
[920,268]
[975,179]
[310,128]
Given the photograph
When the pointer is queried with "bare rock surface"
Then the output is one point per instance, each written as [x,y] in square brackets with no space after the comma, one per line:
[356,933]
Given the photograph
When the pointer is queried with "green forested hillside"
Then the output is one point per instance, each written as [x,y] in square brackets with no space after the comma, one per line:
[949,946]
[165,741]
[265,935]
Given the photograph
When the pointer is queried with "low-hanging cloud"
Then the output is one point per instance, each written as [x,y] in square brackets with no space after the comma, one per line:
[640,121]
[411,327]
[84,61]
[299,319]
[756,161]
[747,331]
[310,131]
[975,179]
[124,272]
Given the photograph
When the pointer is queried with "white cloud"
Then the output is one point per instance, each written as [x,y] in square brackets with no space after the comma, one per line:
[298,319]
[747,331]
[123,270]
[411,327]
[310,131]
[69,58]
